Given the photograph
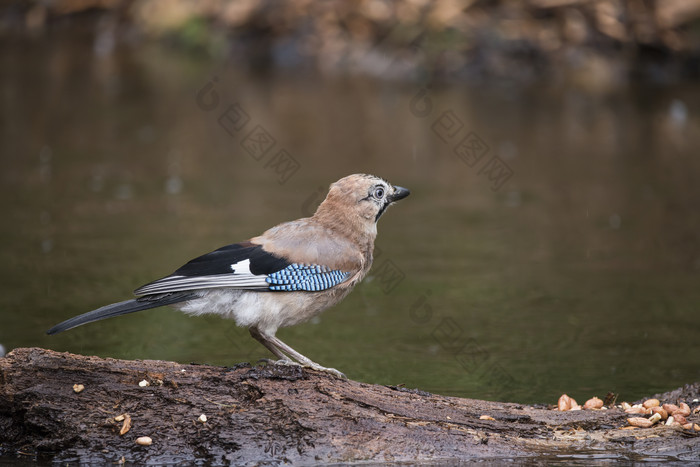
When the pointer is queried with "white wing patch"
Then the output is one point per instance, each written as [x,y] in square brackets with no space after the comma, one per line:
[241,267]
[239,278]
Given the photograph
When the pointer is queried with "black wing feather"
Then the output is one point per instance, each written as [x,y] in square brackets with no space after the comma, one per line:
[216,269]
[220,261]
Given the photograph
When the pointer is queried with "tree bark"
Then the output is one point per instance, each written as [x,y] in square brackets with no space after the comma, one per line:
[277,414]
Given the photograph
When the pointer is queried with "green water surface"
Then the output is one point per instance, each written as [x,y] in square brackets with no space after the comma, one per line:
[579,273]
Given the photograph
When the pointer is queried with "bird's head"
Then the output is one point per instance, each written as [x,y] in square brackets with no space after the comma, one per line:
[360,199]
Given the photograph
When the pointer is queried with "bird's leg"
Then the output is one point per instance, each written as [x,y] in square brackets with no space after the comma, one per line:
[258,336]
[264,340]
[280,349]
[302,359]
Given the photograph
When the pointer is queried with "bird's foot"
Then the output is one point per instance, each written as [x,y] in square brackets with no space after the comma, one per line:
[312,365]
[269,361]
[332,371]
[284,362]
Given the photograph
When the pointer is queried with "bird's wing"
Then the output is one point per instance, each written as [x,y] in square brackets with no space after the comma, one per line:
[246,266]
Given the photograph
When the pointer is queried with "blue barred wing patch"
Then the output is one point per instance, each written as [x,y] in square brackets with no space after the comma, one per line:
[306,277]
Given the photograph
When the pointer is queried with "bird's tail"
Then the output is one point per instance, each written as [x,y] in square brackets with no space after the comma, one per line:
[122,308]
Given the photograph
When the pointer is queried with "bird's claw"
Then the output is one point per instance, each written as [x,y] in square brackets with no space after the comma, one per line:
[336,373]
[331,371]
[285,363]
[313,366]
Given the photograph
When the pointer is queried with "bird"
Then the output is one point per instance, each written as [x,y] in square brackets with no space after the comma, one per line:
[287,275]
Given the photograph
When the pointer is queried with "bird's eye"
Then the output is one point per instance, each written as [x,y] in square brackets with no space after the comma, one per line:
[378,192]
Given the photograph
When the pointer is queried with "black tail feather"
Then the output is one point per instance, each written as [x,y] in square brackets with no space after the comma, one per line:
[122,308]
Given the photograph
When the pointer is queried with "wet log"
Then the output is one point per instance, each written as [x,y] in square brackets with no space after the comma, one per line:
[65,407]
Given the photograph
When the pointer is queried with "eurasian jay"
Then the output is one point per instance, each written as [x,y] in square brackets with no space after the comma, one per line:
[285,276]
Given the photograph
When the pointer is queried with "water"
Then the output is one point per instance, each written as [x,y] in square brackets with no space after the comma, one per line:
[578,274]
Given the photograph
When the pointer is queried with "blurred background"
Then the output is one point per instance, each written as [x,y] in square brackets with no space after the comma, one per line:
[551,241]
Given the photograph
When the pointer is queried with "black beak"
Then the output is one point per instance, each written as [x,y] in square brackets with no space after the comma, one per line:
[399,193]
